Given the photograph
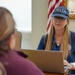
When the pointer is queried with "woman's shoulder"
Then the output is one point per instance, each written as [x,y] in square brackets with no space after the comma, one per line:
[13,54]
[18,52]
[72,37]
[20,65]
[21,53]
[72,34]
[44,36]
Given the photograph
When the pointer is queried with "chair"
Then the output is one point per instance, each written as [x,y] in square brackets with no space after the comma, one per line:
[18,40]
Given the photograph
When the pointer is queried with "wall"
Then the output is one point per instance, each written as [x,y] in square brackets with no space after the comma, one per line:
[26,40]
[39,20]
[72,25]
[39,24]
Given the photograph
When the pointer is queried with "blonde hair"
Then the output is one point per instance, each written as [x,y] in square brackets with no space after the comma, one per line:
[2,69]
[7,27]
[65,41]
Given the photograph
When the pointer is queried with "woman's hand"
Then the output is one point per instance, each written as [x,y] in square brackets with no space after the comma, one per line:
[67,63]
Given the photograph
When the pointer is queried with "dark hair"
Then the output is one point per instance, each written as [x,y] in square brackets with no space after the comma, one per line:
[7,27]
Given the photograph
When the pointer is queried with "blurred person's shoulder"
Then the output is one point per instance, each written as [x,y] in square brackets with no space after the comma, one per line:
[18,52]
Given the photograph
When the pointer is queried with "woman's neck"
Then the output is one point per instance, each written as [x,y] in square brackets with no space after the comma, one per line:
[58,36]
[59,33]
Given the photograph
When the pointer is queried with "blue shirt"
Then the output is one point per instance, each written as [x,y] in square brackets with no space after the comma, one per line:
[55,47]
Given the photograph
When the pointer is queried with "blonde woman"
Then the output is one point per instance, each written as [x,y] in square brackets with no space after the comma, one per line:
[14,62]
[60,38]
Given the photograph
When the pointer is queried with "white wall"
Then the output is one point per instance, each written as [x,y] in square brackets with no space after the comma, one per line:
[39,20]
[26,40]
[39,24]
[72,25]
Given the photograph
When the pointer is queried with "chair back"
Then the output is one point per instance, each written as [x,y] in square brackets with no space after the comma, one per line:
[18,40]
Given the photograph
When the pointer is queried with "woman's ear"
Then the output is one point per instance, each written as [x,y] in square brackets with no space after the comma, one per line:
[11,42]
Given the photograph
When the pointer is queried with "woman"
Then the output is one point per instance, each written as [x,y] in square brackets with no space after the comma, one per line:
[14,63]
[60,38]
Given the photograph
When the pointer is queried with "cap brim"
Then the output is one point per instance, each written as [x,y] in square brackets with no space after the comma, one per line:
[60,15]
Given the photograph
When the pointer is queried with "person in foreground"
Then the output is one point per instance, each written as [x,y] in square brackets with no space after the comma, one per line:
[13,61]
[60,38]
[2,69]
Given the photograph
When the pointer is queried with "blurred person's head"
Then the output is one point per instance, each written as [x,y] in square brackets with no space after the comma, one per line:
[7,30]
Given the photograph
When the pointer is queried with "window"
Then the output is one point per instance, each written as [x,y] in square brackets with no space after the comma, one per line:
[21,10]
